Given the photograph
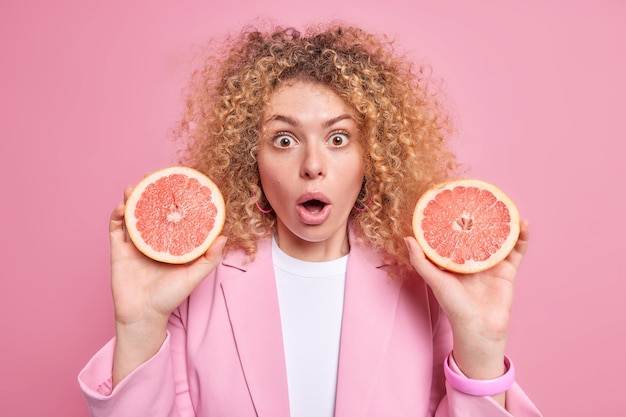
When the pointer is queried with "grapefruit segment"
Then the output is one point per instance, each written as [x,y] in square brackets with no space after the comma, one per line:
[466,225]
[174,214]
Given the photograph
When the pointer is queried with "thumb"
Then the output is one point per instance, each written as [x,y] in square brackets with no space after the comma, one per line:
[205,264]
[434,276]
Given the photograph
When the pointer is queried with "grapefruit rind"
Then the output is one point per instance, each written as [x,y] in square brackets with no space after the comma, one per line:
[131,221]
[467,265]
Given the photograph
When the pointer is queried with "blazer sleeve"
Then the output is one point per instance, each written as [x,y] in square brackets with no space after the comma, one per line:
[156,388]
[455,403]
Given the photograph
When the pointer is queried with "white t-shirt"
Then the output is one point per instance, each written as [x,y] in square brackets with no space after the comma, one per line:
[310,296]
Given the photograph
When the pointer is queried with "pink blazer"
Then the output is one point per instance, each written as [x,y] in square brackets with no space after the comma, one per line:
[224,353]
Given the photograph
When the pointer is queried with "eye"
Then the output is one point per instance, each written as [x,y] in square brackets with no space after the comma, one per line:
[284,140]
[338,139]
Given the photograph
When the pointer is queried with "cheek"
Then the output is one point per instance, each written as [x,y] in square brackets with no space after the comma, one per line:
[264,165]
[352,180]
[270,180]
[355,171]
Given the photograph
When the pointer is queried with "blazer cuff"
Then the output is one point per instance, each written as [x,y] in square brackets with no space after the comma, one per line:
[149,386]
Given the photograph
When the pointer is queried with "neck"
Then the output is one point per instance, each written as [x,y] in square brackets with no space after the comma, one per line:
[313,251]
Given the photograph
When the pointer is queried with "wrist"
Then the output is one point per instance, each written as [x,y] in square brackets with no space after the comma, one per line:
[141,334]
[479,359]
[134,345]
[490,327]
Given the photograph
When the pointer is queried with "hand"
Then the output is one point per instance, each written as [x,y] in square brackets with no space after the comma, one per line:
[146,292]
[477,305]
[144,289]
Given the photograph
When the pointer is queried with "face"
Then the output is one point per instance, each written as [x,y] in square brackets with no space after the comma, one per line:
[311,165]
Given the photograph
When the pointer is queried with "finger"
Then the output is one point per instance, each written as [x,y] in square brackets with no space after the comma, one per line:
[517,254]
[431,273]
[217,248]
[201,267]
[127,191]
[116,223]
[524,234]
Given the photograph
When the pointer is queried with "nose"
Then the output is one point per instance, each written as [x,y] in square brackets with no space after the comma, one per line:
[313,164]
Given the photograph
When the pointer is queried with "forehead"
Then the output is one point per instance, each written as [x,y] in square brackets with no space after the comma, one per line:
[297,95]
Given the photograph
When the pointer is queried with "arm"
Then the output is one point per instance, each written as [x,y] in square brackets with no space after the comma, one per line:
[449,402]
[145,293]
[478,307]
[147,390]
[133,373]
[157,387]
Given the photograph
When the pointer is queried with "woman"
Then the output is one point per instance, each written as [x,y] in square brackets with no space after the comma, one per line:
[321,305]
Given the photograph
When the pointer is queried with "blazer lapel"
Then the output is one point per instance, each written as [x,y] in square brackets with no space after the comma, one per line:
[253,309]
[370,303]
[252,304]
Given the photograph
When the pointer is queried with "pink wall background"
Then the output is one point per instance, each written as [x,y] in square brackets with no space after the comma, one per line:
[89,89]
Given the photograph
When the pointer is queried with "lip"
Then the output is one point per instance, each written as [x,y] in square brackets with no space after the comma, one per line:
[308,217]
[312,196]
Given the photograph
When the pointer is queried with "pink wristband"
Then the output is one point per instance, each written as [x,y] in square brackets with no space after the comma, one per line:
[480,387]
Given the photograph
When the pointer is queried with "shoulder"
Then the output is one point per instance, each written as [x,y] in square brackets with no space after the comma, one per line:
[235,264]
[412,289]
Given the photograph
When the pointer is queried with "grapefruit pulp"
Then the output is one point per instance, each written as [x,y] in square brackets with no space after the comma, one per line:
[174,214]
[466,225]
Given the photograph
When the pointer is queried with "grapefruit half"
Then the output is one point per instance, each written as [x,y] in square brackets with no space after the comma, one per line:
[466,225]
[174,214]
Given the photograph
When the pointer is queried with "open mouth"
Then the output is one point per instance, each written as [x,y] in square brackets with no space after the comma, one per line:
[313,206]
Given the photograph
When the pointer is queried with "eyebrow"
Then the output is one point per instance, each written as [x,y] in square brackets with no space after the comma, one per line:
[294,122]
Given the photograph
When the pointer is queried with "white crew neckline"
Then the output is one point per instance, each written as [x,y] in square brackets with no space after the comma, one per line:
[307,269]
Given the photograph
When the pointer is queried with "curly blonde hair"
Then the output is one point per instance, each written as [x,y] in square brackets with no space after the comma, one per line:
[402,120]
